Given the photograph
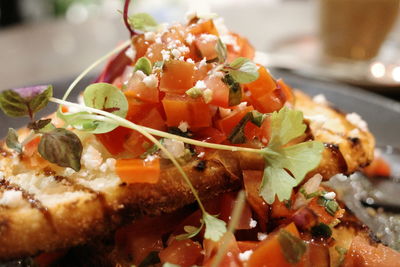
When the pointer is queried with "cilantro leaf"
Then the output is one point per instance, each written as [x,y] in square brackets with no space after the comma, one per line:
[143,22]
[243,70]
[191,231]
[298,159]
[215,228]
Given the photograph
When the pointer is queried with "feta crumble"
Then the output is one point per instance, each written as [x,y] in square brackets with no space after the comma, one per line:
[131,52]
[320,99]
[253,223]
[261,236]
[356,120]
[151,81]
[200,85]
[330,195]
[92,158]
[183,126]
[176,148]
[149,36]
[245,256]
[189,38]
[12,199]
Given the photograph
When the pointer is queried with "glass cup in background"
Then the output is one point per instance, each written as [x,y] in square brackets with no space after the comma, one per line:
[355,29]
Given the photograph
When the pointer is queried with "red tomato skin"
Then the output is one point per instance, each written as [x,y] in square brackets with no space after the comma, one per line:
[220,91]
[184,253]
[114,141]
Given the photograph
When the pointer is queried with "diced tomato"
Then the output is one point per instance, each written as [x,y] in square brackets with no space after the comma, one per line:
[136,144]
[378,167]
[227,205]
[206,27]
[252,181]
[141,45]
[184,253]
[280,210]
[176,32]
[317,255]
[138,170]
[231,256]
[153,53]
[202,71]
[247,245]
[138,109]
[180,108]
[137,88]
[265,131]
[242,48]
[323,215]
[287,90]
[114,141]
[270,102]
[227,124]
[263,85]
[269,252]
[220,90]
[210,135]
[31,147]
[177,76]
[206,46]
[362,253]
[153,119]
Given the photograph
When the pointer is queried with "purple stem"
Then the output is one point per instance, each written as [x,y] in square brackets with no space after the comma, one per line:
[129,27]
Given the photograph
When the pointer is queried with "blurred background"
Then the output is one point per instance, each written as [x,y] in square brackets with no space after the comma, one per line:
[353,41]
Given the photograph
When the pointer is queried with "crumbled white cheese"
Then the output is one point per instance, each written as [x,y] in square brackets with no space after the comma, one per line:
[207,95]
[261,236]
[330,195]
[354,133]
[111,163]
[103,167]
[206,38]
[149,36]
[245,256]
[131,52]
[219,23]
[183,49]
[203,63]
[189,60]
[200,85]
[176,148]
[12,199]
[242,105]
[253,223]
[189,38]
[181,58]
[318,121]
[166,55]
[92,158]
[158,40]
[224,112]
[218,74]
[176,53]
[201,154]
[151,81]
[320,99]
[1,174]
[140,74]
[230,40]
[183,126]
[356,120]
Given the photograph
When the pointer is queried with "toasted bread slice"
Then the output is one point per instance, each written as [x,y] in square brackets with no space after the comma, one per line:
[45,207]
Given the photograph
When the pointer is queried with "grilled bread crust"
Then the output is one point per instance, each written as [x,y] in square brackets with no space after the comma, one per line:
[44,207]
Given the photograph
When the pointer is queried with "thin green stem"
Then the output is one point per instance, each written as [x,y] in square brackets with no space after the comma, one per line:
[94,65]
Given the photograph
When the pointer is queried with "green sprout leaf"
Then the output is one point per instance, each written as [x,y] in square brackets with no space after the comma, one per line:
[215,228]
[191,232]
[12,140]
[41,124]
[298,159]
[61,147]
[292,247]
[143,64]
[105,97]
[243,70]
[235,91]
[222,53]
[143,22]
[25,101]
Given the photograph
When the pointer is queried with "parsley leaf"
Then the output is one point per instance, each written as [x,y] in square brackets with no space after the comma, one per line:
[143,22]
[215,228]
[191,231]
[243,70]
[12,140]
[298,159]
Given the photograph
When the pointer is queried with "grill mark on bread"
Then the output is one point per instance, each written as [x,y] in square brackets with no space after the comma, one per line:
[33,201]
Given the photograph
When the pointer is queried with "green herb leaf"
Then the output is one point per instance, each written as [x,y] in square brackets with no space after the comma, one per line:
[258,118]
[37,125]
[222,53]
[61,147]
[215,228]
[235,91]
[12,140]
[25,101]
[321,230]
[106,97]
[292,247]
[331,206]
[143,64]
[191,231]
[194,92]
[237,135]
[298,159]
[243,70]
[143,22]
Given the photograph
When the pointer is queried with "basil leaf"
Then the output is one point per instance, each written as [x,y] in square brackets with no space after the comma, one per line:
[292,247]
[215,228]
[191,231]
[12,140]
[143,22]
[106,97]
[221,51]
[61,147]
[143,64]
[243,70]
[25,101]
[235,91]
[237,135]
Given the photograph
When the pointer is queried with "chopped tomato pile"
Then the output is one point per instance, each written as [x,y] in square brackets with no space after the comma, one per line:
[176,80]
